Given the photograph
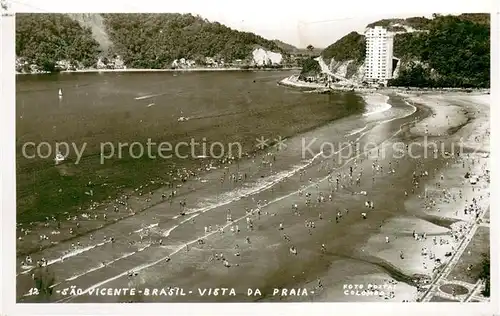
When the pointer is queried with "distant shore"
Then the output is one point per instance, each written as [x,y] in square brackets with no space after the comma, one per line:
[164,70]
[294,82]
[314,87]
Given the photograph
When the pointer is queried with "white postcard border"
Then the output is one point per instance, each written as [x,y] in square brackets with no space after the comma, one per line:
[322,8]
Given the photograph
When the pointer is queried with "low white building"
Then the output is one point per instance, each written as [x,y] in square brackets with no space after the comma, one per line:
[100,64]
[263,57]
[183,63]
[119,63]
[63,64]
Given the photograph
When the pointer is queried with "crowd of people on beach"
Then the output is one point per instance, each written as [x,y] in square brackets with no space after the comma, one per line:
[337,181]
[311,197]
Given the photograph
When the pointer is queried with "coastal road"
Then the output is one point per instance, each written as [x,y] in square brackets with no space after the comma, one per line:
[441,277]
[473,294]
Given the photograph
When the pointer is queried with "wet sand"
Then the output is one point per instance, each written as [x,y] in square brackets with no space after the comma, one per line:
[355,251]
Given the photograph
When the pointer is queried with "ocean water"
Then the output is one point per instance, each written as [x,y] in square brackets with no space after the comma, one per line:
[222,106]
[100,112]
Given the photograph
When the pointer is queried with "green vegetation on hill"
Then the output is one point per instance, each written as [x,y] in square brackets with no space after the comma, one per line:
[455,52]
[142,40]
[480,18]
[418,23]
[44,39]
[285,46]
[310,67]
[96,23]
[155,40]
[446,51]
[351,46]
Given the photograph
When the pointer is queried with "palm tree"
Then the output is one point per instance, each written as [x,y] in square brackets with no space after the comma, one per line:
[485,274]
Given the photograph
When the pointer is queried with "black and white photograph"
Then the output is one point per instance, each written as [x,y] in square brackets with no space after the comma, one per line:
[231,153]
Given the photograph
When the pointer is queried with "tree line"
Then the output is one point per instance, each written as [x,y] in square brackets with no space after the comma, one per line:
[351,46]
[155,40]
[448,51]
[455,52]
[143,40]
[45,39]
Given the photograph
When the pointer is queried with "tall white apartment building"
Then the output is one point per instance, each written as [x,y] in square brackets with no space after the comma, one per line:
[379,49]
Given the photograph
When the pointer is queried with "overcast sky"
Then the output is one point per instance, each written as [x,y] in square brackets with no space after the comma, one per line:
[300,23]
[319,33]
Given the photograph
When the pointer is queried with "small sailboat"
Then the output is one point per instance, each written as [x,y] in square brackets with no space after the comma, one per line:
[60,93]
[59,158]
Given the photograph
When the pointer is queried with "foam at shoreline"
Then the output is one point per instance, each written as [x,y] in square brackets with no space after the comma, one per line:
[269,182]
[261,185]
[376,103]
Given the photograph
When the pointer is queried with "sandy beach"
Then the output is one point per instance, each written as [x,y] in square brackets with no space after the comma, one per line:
[335,223]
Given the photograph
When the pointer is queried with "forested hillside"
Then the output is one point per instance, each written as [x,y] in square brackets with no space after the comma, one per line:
[45,39]
[155,40]
[142,40]
[455,52]
[445,51]
[351,46]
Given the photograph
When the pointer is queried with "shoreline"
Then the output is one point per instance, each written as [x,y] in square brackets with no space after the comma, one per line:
[201,173]
[177,236]
[161,70]
[374,245]
[313,87]
[419,208]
